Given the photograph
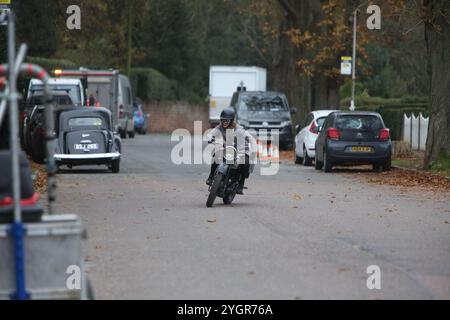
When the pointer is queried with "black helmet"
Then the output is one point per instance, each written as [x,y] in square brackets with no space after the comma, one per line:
[228,114]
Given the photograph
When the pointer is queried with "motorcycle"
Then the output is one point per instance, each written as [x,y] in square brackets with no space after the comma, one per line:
[226,179]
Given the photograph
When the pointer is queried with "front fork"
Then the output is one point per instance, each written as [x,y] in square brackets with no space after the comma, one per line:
[223,169]
[229,172]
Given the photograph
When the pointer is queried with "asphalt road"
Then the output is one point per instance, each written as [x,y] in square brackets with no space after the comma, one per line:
[300,234]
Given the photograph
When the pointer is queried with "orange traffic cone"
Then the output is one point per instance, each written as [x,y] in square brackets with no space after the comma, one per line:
[270,151]
[276,154]
[264,155]
[259,148]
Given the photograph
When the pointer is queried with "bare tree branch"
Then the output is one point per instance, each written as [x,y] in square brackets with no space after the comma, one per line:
[413,27]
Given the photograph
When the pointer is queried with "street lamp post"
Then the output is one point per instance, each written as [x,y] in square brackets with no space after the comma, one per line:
[355,23]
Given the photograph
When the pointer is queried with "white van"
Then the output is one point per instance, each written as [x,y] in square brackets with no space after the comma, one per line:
[73,87]
[108,89]
[224,82]
[126,113]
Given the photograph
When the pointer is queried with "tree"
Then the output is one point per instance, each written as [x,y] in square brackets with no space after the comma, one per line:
[437,36]
[37,24]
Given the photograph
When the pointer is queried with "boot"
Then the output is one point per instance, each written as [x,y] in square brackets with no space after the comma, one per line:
[241,188]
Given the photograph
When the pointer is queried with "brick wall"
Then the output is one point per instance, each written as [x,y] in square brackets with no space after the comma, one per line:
[167,117]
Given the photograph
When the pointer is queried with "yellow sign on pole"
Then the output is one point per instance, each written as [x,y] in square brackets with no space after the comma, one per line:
[4,12]
[346,66]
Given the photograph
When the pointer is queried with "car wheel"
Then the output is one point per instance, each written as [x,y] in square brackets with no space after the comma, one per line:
[307,161]
[327,164]
[376,167]
[317,164]
[37,155]
[288,146]
[298,160]
[387,166]
[115,166]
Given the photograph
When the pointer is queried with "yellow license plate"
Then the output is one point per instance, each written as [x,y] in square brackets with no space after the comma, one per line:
[361,149]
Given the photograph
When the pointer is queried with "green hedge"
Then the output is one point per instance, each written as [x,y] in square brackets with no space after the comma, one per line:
[374,103]
[152,86]
[393,116]
[393,119]
[392,110]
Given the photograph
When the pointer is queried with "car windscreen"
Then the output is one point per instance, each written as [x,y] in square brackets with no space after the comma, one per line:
[86,122]
[359,122]
[72,90]
[258,103]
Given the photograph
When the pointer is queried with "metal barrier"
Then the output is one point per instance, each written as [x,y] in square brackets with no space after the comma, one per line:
[415,131]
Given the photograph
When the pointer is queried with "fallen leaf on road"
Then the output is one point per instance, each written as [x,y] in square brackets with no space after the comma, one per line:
[297,197]
[410,179]
[212,220]
[39,177]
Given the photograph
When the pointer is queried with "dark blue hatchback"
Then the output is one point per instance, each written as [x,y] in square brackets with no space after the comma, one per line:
[353,138]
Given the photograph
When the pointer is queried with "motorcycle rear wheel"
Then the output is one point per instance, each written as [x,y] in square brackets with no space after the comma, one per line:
[214,190]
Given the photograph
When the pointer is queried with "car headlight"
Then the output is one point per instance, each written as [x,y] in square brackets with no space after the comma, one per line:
[243,123]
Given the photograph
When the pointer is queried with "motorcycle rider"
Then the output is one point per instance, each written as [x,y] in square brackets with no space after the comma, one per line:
[244,143]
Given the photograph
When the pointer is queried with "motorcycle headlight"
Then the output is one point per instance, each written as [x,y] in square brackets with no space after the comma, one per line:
[230,154]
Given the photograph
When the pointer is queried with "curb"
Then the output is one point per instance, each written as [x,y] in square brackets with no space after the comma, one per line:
[420,171]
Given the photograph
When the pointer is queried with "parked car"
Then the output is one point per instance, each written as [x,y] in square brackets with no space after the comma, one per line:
[353,138]
[86,137]
[265,111]
[125,102]
[34,122]
[140,119]
[305,141]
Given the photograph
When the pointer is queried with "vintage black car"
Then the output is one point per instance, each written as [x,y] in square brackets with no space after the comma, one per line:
[34,122]
[86,137]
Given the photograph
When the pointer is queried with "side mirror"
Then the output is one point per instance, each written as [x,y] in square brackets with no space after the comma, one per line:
[294,111]
[298,128]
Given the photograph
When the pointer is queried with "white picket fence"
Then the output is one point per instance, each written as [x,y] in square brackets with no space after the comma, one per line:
[415,131]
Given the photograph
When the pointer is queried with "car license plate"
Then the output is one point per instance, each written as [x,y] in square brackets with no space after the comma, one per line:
[362,149]
[93,146]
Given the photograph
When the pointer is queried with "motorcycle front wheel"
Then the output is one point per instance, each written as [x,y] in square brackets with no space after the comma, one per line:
[230,195]
[214,190]
[228,199]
